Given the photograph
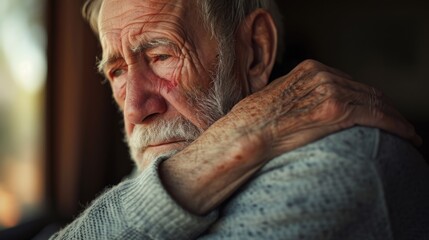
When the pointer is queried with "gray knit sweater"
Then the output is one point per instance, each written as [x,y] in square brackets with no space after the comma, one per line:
[360,183]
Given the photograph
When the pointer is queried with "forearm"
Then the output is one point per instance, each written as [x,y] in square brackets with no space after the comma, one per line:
[301,107]
[208,171]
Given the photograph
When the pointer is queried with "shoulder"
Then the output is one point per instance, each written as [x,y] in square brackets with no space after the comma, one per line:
[339,187]
[369,154]
[352,147]
[326,186]
[359,142]
[357,145]
[361,170]
[346,155]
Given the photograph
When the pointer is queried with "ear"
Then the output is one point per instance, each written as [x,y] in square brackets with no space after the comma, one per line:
[257,47]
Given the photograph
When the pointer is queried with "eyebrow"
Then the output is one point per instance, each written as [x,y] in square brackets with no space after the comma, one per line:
[101,64]
[141,47]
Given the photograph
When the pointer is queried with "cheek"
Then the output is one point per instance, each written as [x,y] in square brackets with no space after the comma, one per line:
[170,73]
[181,77]
[194,79]
[119,92]
[185,72]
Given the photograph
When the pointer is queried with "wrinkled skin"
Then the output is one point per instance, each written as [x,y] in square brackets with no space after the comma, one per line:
[313,100]
[310,102]
[151,83]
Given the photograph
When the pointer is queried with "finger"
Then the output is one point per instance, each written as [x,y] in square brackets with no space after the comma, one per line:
[332,85]
[309,74]
[303,82]
[370,98]
[325,77]
[319,73]
[346,108]
[376,102]
[370,105]
[362,115]
[315,65]
[311,84]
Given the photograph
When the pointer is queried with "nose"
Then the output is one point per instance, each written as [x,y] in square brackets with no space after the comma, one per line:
[143,99]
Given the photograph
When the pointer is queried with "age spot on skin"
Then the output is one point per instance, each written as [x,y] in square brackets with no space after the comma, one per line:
[221,168]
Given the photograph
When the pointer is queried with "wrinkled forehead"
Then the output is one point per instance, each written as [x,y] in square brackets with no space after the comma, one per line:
[119,17]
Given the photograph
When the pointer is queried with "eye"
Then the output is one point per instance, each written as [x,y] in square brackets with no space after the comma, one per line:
[116,73]
[161,57]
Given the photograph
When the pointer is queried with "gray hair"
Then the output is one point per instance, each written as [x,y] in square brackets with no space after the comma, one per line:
[221,17]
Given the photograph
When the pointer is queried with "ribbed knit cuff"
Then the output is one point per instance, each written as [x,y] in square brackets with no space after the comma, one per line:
[149,209]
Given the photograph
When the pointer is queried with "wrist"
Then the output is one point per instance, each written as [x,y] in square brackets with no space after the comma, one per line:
[209,170]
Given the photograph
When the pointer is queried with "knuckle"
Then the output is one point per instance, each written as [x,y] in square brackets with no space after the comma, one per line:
[323,77]
[331,110]
[327,89]
[323,90]
[310,64]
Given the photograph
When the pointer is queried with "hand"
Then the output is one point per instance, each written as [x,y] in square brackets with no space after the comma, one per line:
[312,101]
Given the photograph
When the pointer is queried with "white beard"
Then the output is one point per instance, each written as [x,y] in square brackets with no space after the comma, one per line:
[157,132]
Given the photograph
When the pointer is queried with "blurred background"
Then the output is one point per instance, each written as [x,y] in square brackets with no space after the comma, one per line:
[61,134]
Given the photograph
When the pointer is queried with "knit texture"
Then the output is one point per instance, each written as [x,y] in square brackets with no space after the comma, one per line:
[360,183]
[139,208]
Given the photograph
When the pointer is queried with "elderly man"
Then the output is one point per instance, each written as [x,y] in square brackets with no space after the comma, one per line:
[191,78]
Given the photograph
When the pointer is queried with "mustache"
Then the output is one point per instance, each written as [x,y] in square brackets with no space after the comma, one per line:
[161,131]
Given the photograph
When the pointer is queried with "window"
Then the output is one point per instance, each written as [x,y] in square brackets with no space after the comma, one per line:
[22,79]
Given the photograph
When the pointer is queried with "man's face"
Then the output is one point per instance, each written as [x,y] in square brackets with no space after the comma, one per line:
[160,62]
